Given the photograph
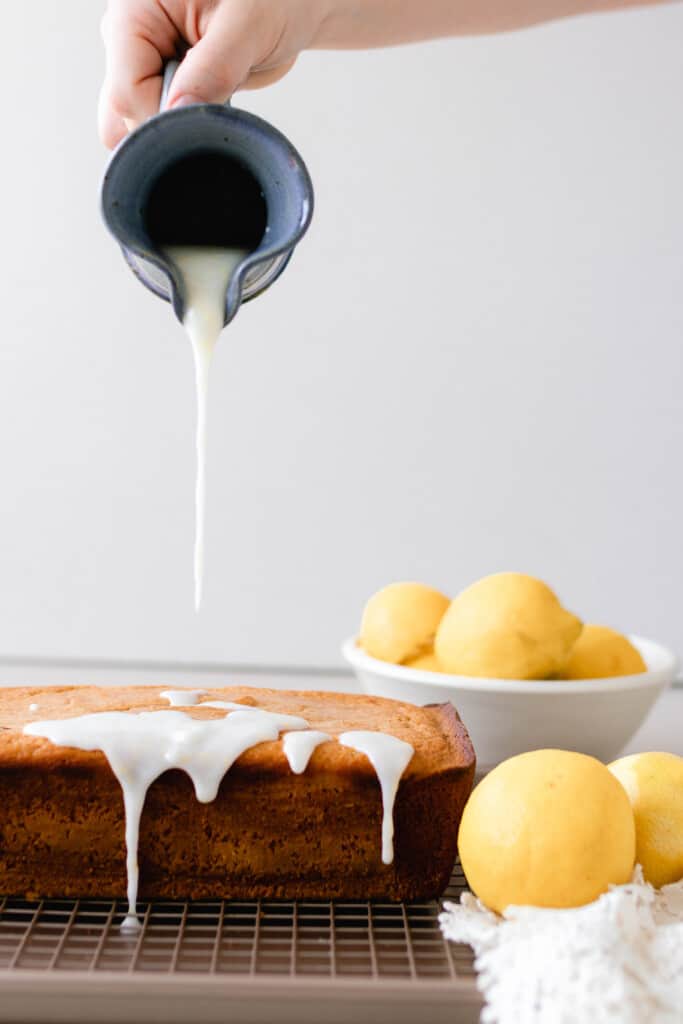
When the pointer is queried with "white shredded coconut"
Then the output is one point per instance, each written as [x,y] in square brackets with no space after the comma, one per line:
[618,960]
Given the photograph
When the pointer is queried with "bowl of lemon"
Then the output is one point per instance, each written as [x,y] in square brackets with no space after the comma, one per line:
[522,671]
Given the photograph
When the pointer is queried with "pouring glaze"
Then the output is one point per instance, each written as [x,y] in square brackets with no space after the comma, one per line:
[206,174]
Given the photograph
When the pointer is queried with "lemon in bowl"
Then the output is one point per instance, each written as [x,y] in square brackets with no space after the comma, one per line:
[400,621]
[601,653]
[508,625]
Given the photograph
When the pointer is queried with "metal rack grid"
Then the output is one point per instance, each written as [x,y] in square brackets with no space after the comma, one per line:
[67,960]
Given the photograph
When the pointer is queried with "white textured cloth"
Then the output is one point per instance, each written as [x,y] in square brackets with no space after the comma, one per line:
[618,960]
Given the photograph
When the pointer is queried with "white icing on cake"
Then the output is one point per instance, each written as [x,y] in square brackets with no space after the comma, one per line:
[298,747]
[389,757]
[141,746]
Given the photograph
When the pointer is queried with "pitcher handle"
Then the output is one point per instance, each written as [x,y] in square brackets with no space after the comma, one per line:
[169,74]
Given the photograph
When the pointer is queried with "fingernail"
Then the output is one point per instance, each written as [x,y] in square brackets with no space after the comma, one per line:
[187,100]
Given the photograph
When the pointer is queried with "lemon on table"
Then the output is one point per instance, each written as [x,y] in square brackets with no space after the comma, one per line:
[654,784]
[399,621]
[549,828]
[601,652]
[507,626]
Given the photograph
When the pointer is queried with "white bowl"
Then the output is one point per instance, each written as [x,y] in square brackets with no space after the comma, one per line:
[508,716]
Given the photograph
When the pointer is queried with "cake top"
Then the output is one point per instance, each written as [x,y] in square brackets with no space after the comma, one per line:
[436,733]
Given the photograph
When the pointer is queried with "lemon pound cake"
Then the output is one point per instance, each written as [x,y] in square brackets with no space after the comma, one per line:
[235,792]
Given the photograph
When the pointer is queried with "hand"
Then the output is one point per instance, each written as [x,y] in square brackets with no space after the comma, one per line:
[249,43]
[233,44]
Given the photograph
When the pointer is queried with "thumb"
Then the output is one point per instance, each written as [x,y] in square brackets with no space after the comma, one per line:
[217,65]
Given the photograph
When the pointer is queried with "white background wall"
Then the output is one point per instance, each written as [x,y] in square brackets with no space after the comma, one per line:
[473,363]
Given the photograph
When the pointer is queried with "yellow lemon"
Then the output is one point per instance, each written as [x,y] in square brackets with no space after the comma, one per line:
[549,828]
[427,662]
[508,626]
[654,783]
[399,622]
[601,652]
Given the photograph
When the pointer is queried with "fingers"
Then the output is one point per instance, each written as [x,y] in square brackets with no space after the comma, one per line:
[138,38]
[111,127]
[220,62]
[239,45]
[260,79]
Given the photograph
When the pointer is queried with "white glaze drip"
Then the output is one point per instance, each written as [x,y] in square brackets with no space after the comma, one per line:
[33,707]
[140,747]
[389,757]
[206,273]
[183,698]
[298,747]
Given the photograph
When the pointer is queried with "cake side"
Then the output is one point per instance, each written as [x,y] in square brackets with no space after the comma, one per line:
[268,833]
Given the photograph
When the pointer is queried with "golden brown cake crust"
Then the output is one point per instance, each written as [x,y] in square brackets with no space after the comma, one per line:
[268,833]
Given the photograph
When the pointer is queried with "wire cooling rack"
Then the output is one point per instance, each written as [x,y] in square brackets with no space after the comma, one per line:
[233,960]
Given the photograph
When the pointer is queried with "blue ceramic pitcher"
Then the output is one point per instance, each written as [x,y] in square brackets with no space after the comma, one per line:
[224,174]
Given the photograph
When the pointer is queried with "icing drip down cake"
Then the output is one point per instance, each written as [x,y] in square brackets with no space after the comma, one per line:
[234,793]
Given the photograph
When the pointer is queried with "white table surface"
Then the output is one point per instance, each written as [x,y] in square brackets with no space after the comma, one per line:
[660,731]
